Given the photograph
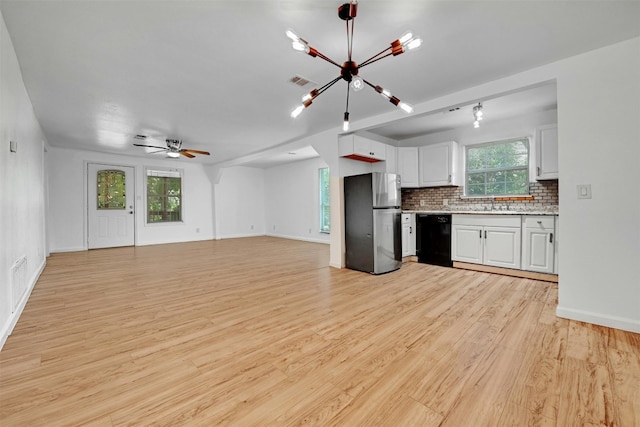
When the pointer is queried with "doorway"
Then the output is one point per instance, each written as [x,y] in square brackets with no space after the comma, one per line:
[110,210]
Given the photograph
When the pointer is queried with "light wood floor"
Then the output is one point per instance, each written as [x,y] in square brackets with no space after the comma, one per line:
[262,332]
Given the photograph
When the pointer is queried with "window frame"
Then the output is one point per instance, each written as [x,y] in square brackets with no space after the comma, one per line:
[526,168]
[168,172]
[324,228]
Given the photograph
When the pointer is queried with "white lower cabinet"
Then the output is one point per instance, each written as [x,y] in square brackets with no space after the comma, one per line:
[487,239]
[408,235]
[538,249]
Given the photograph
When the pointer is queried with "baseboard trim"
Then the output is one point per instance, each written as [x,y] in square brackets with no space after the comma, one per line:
[507,271]
[63,250]
[304,239]
[615,322]
[11,322]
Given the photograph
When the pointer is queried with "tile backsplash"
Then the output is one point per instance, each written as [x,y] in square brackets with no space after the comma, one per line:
[543,196]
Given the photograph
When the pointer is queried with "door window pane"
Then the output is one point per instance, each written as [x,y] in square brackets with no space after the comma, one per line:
[111,189]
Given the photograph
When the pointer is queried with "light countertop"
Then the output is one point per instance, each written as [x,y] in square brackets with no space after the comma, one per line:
[481,212]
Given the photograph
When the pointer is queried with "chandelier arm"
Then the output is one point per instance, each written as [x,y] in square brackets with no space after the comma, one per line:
[350,37]
[372,60]
[327,86]
[374,57]
[372,85]
[326,58]
[347,106]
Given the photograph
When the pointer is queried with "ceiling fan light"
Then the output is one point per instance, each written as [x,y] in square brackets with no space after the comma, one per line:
[173,154]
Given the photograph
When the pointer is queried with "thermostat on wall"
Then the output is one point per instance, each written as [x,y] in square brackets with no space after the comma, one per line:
[13,146]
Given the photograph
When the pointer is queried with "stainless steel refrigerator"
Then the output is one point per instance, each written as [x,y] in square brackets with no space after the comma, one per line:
[372,222]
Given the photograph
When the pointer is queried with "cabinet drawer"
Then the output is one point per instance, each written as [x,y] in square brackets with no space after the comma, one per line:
[487,220]
[542,222]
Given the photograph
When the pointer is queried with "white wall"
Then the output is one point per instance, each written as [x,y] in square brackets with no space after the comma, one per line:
[599,144]
[68,204]
[22,207]
[292,208]
[239,202]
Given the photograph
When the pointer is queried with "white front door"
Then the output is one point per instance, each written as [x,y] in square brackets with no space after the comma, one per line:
[110,213]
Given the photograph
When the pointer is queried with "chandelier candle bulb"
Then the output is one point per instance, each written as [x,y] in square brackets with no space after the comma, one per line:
[406,37]
[345,124]
[405,107]
[295,113]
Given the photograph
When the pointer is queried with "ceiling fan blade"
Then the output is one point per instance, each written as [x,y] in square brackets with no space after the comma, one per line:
[158,151]
[206,153]
[150,146]
[191,156]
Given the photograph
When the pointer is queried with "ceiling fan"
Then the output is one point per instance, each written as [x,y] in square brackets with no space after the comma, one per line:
[174,149]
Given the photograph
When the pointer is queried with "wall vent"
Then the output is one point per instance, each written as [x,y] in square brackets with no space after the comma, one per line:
[301,81]
[18,282]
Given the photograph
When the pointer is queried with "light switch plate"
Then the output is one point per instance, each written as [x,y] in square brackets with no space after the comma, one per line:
[584,191]
[13,146]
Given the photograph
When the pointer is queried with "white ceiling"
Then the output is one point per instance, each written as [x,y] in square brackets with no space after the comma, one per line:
[215,73]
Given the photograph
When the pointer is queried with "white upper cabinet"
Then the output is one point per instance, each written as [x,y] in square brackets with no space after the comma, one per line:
[547,152]
[358,148]
[408,167]
[438,164]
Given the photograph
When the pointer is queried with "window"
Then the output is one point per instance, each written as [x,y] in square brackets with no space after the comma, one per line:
[164,196]
[111,189]
[498,168]
[325,215]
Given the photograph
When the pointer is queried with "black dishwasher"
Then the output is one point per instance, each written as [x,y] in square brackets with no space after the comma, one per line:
[433,240]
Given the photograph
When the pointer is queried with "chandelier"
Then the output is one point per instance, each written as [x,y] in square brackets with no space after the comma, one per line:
[349,69]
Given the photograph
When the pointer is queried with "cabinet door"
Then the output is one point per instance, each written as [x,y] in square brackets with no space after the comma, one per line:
[406,237]
[368,148]
[547,152]
[466,243]
[412,236]
[408,166]
[537,251]
[502,246]
[438,164]
[358,148]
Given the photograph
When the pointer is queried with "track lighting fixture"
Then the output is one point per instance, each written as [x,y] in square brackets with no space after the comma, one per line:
[349,70]
[477,115]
